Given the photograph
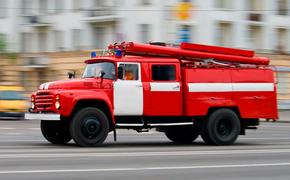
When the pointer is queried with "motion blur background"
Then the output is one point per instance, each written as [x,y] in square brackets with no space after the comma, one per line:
[41,40]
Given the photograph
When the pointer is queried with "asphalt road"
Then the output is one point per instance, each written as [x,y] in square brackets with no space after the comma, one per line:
[261,154]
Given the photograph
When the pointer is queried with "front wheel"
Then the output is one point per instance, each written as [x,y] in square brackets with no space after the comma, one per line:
[221,128]
[89,127]
[181,134]
[55,132]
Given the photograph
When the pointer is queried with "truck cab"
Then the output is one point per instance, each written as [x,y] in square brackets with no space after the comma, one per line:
[181,98]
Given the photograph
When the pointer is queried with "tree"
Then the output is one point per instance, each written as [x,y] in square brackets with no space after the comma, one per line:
[2,43]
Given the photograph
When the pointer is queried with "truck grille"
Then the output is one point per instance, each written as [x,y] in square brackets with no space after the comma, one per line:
[43,101]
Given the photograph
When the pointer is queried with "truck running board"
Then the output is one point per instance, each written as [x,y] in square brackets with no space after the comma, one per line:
[153,124]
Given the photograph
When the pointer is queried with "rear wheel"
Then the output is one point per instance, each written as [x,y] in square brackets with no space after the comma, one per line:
[221,128]
[181,134]
[55,132]
[89,127]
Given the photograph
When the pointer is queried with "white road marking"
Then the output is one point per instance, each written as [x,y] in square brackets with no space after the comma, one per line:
[141,154]
[34,128]
[7,128]
[265,138]
[145,168]
[12,134]
[274,126]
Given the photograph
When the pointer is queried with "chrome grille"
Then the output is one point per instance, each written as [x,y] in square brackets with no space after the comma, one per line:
[43,101]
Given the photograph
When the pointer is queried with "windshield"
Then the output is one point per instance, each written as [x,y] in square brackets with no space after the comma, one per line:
[94,70]
[11,95]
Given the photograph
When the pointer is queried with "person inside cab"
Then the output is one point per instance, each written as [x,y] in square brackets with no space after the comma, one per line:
[129,75]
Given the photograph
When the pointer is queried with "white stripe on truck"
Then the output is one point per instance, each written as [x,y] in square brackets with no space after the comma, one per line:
[164,86]
[230,87]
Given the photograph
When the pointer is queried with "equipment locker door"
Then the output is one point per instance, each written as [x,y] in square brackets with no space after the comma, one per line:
[128,91]
[165,90]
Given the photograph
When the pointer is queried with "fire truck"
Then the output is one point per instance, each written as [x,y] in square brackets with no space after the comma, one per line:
[187,90]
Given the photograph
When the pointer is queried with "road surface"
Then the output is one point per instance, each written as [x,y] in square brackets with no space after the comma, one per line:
[261,154]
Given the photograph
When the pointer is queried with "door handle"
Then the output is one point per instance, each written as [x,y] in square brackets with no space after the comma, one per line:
[139,85]
[176,87]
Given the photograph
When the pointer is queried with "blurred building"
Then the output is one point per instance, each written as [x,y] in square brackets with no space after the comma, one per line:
[68,25]
[51,37]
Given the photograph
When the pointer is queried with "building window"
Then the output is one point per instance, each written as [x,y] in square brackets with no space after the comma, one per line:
[283,7]
[98,3]
[77,5]
[59,40]
[26,42]
[224,4]
[163,73]
[76,33]
[99,37]
[144,33]
[3,8]
[145,2]
[255,37]
[59,6]
[43,6]
[224,34]
[184,33]
[42,42]
[281,45]
[26,7]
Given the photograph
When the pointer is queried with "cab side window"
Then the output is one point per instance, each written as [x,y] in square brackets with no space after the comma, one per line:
[163,73]
[130,71]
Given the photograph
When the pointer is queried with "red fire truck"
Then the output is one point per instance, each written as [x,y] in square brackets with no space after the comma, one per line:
[184,91]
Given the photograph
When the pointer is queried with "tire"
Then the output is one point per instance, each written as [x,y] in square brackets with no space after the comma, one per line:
[181,134]
[55,132]
[89,127]
[221,128]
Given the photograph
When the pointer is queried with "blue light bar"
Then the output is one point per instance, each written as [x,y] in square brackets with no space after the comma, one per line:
[93,54]
[118,53]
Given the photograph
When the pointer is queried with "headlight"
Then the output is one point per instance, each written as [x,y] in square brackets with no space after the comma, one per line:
[32,102]
[57,105]
[57,97]
[32,105]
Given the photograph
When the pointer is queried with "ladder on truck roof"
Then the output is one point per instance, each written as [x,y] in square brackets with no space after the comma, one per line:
[191,52]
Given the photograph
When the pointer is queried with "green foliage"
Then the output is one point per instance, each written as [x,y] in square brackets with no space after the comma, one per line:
[2,43]
[12,55]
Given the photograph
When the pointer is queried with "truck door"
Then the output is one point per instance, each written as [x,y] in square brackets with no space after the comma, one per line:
[128,91]
[165,90]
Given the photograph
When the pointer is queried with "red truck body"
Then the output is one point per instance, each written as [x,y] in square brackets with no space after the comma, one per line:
[177,89]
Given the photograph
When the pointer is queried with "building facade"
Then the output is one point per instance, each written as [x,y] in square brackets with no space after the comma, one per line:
[32,26]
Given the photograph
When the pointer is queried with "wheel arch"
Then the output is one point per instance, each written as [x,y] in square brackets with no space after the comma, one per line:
[235,109]
[97,103]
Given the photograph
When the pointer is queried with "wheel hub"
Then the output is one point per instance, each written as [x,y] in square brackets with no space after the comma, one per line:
[91,127]
[224,128]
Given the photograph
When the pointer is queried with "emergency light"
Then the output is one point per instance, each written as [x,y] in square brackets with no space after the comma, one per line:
[118,53]
[93,54]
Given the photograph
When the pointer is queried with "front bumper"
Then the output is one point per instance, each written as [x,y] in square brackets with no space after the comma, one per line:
[42,116]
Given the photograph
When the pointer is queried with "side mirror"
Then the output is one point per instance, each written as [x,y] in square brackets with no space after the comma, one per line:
[120,72]
[102,74]
[71,75]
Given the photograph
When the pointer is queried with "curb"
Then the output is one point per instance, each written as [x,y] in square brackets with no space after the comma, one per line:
[278,121]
